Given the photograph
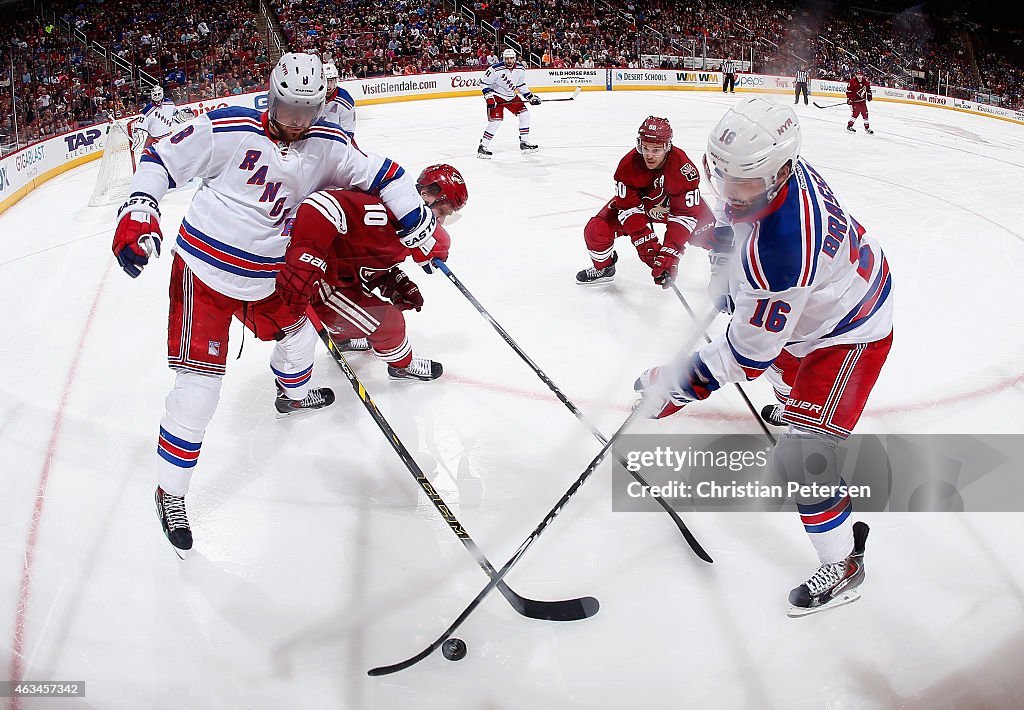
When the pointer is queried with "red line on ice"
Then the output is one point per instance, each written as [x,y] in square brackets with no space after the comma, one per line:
[24,596]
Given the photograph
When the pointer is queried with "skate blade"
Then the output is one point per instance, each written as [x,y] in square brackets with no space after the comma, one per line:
[596,282]
[843,599]
[298,413]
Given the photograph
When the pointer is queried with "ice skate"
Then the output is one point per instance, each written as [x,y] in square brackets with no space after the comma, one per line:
[833,584]
[354,345]
[851,129]
[527,147]
[419,369]
[869,131]
[174,521]
[483,153]
[596,276]
[772,414]
[317,398]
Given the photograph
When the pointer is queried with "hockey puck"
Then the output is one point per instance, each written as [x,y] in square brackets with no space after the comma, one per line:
[454,649]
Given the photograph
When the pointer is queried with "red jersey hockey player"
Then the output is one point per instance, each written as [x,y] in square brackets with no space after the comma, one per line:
[655,182]
[344,247]
[858,93]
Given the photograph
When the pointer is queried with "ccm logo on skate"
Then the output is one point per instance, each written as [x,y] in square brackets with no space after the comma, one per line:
[314,261]
[809,406]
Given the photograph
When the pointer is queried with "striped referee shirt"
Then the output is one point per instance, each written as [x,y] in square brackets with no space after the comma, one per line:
[801,76]
[728,67]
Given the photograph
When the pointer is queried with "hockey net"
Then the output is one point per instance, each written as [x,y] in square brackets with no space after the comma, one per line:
[121,153]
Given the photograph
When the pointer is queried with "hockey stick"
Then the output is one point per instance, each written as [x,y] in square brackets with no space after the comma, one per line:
[642,408]
[496,580]
[700,552]
[563,610]
[574,95]
[750,405]
[841,103]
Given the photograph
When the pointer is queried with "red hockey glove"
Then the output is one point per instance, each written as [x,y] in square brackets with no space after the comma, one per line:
[492,102]
[442,244]
[298,278]
[665,266]
[137,236]
[870,96]
[398,288]
[647,246]
[850,101]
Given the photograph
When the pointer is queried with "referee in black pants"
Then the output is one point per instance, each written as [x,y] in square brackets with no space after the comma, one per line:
[729,76]
[800,81]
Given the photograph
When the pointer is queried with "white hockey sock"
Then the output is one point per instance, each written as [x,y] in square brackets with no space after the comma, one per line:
[524,125]
[492,128]
[188,409]
[292,361]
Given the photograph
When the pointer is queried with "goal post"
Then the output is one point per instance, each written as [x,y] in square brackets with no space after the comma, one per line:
[117,166]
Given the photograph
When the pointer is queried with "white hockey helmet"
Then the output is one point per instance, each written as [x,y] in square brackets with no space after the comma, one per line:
[330,71]
[297,92]
[156,94]
[509,54]
[753,140]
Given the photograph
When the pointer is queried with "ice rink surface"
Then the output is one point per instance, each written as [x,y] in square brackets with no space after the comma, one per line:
[316,558]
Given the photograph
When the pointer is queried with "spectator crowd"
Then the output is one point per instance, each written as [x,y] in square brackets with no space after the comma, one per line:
[85,61]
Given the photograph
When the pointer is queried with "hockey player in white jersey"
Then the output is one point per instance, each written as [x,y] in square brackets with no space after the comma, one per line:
[505,89]
[157,116]
[341,107]
[256,168]
[812,299]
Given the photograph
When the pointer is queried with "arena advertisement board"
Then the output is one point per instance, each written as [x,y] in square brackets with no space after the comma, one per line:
[20,172]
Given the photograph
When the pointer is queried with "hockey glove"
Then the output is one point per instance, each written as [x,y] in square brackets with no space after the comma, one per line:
[670,388]
[298,278]
[137,236]
[442,244]
[398,288]
[492,102]
[647,246]
[870,96]
[665,266]
[534,100]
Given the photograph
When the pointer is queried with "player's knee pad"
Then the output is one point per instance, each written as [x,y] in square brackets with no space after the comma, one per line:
[192,401]
[807,458]
[391,330]
[598,233]
[295,350]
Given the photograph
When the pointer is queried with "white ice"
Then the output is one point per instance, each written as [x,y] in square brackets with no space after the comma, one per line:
[316,557]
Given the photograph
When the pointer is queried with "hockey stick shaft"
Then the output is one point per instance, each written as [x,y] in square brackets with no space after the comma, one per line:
[496,580]
[565,610]
[690,539]
[707,339]
[841,103]
[570,98]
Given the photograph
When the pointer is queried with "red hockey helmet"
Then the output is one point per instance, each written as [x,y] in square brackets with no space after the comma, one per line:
[451,186]
[654,130]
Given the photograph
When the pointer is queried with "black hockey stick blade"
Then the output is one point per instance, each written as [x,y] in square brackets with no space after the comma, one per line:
[560,610]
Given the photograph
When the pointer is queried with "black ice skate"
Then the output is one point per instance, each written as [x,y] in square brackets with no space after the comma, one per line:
[596,276]
[317,398]
[869,131]
[833,584]
[355,345]
[419,369]
[527,147]
[171,511]
[483,153]
[851,129]
[772,414]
